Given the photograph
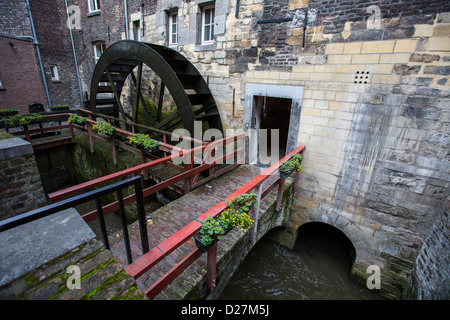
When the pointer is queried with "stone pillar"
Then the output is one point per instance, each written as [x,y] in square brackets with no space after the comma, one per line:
[20,183]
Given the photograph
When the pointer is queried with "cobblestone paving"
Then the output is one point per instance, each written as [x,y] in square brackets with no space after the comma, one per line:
[174,216]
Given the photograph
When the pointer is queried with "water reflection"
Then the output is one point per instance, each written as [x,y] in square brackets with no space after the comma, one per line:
[316,268]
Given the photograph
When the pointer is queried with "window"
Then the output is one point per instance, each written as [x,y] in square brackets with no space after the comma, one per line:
[208,25]
[99,48]
[94,5]
[54,72]
[173,28]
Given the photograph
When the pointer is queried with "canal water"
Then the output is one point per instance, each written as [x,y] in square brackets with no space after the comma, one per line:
[317,268]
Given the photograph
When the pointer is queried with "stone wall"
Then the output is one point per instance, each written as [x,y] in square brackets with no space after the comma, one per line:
[20,183]
[431,275]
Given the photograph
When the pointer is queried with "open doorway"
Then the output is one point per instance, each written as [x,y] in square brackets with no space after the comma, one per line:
[274,114]
[276,109]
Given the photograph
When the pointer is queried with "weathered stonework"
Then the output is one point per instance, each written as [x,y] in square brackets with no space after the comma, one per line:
[20,183]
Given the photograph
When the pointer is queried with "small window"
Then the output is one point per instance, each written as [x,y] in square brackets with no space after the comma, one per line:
[208,25]
[94,5]
[54,72]
[1,85]
[99,48]
[173,28]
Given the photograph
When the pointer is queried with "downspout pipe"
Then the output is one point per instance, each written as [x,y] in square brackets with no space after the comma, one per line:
[36,43]
[74,55]
[126,19]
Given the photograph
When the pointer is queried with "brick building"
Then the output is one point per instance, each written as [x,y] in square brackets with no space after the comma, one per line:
[363,84]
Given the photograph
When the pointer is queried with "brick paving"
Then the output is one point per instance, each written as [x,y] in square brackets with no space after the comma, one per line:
[174,216]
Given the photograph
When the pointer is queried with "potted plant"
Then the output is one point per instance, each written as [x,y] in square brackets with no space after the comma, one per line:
[294,163]
[143,141]
[76,119]
[214,230]
[8,112]
[59,107]
[105,128]
[211,231]
[243,202]
[22,120]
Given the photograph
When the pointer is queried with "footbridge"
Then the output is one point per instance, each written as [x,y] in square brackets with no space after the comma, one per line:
[158,250]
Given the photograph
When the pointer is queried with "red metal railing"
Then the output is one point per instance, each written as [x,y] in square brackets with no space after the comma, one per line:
[151,258]
[189,173]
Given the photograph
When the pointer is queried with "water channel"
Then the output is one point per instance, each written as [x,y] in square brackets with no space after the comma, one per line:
[317,268]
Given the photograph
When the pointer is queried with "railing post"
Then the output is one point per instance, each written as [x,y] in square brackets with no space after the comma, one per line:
[188,165]
[141,215]
[27,133]
[211,264]
[255,214]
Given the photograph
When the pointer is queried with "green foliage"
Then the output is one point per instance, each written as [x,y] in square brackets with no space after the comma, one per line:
[105,128]
[59,107]
[140,140]
[235,218]
[74,118]
[8,112]
[243,202]
[22,120]
[294,163]
[212,229]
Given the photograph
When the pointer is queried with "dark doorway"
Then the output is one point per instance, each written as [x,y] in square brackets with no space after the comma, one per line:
[274,113]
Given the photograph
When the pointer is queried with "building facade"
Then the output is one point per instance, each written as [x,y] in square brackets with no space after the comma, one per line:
[362,84]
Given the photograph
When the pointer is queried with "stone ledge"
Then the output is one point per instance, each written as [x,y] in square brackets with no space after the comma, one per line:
[13,147]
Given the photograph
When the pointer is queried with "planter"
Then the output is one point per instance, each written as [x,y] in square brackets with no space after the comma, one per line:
[204,247]
[285,174]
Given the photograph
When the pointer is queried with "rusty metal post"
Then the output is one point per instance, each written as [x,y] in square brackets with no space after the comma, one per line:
[211,263]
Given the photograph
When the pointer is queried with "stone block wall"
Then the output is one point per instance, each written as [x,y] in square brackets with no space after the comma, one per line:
[374,115]
[431,275]
[20,183]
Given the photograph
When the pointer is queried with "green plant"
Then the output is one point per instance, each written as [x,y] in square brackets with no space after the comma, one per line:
[22,120]
[212,229]
[74,118]
[235,218]
[243,202]
[143,141]
[105,128]
[8,112]
[59,107]
[294,163]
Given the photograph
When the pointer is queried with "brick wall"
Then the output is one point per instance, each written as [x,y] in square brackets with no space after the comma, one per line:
[56,50]
[15,19]
[20,75]
[433,261]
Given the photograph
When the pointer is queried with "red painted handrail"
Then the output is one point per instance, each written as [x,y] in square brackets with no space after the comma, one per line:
[138,267]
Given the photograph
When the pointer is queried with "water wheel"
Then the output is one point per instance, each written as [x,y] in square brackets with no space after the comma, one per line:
[190,92]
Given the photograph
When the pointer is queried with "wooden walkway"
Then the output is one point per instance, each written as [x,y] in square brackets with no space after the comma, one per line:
[174,216]
[50,141]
